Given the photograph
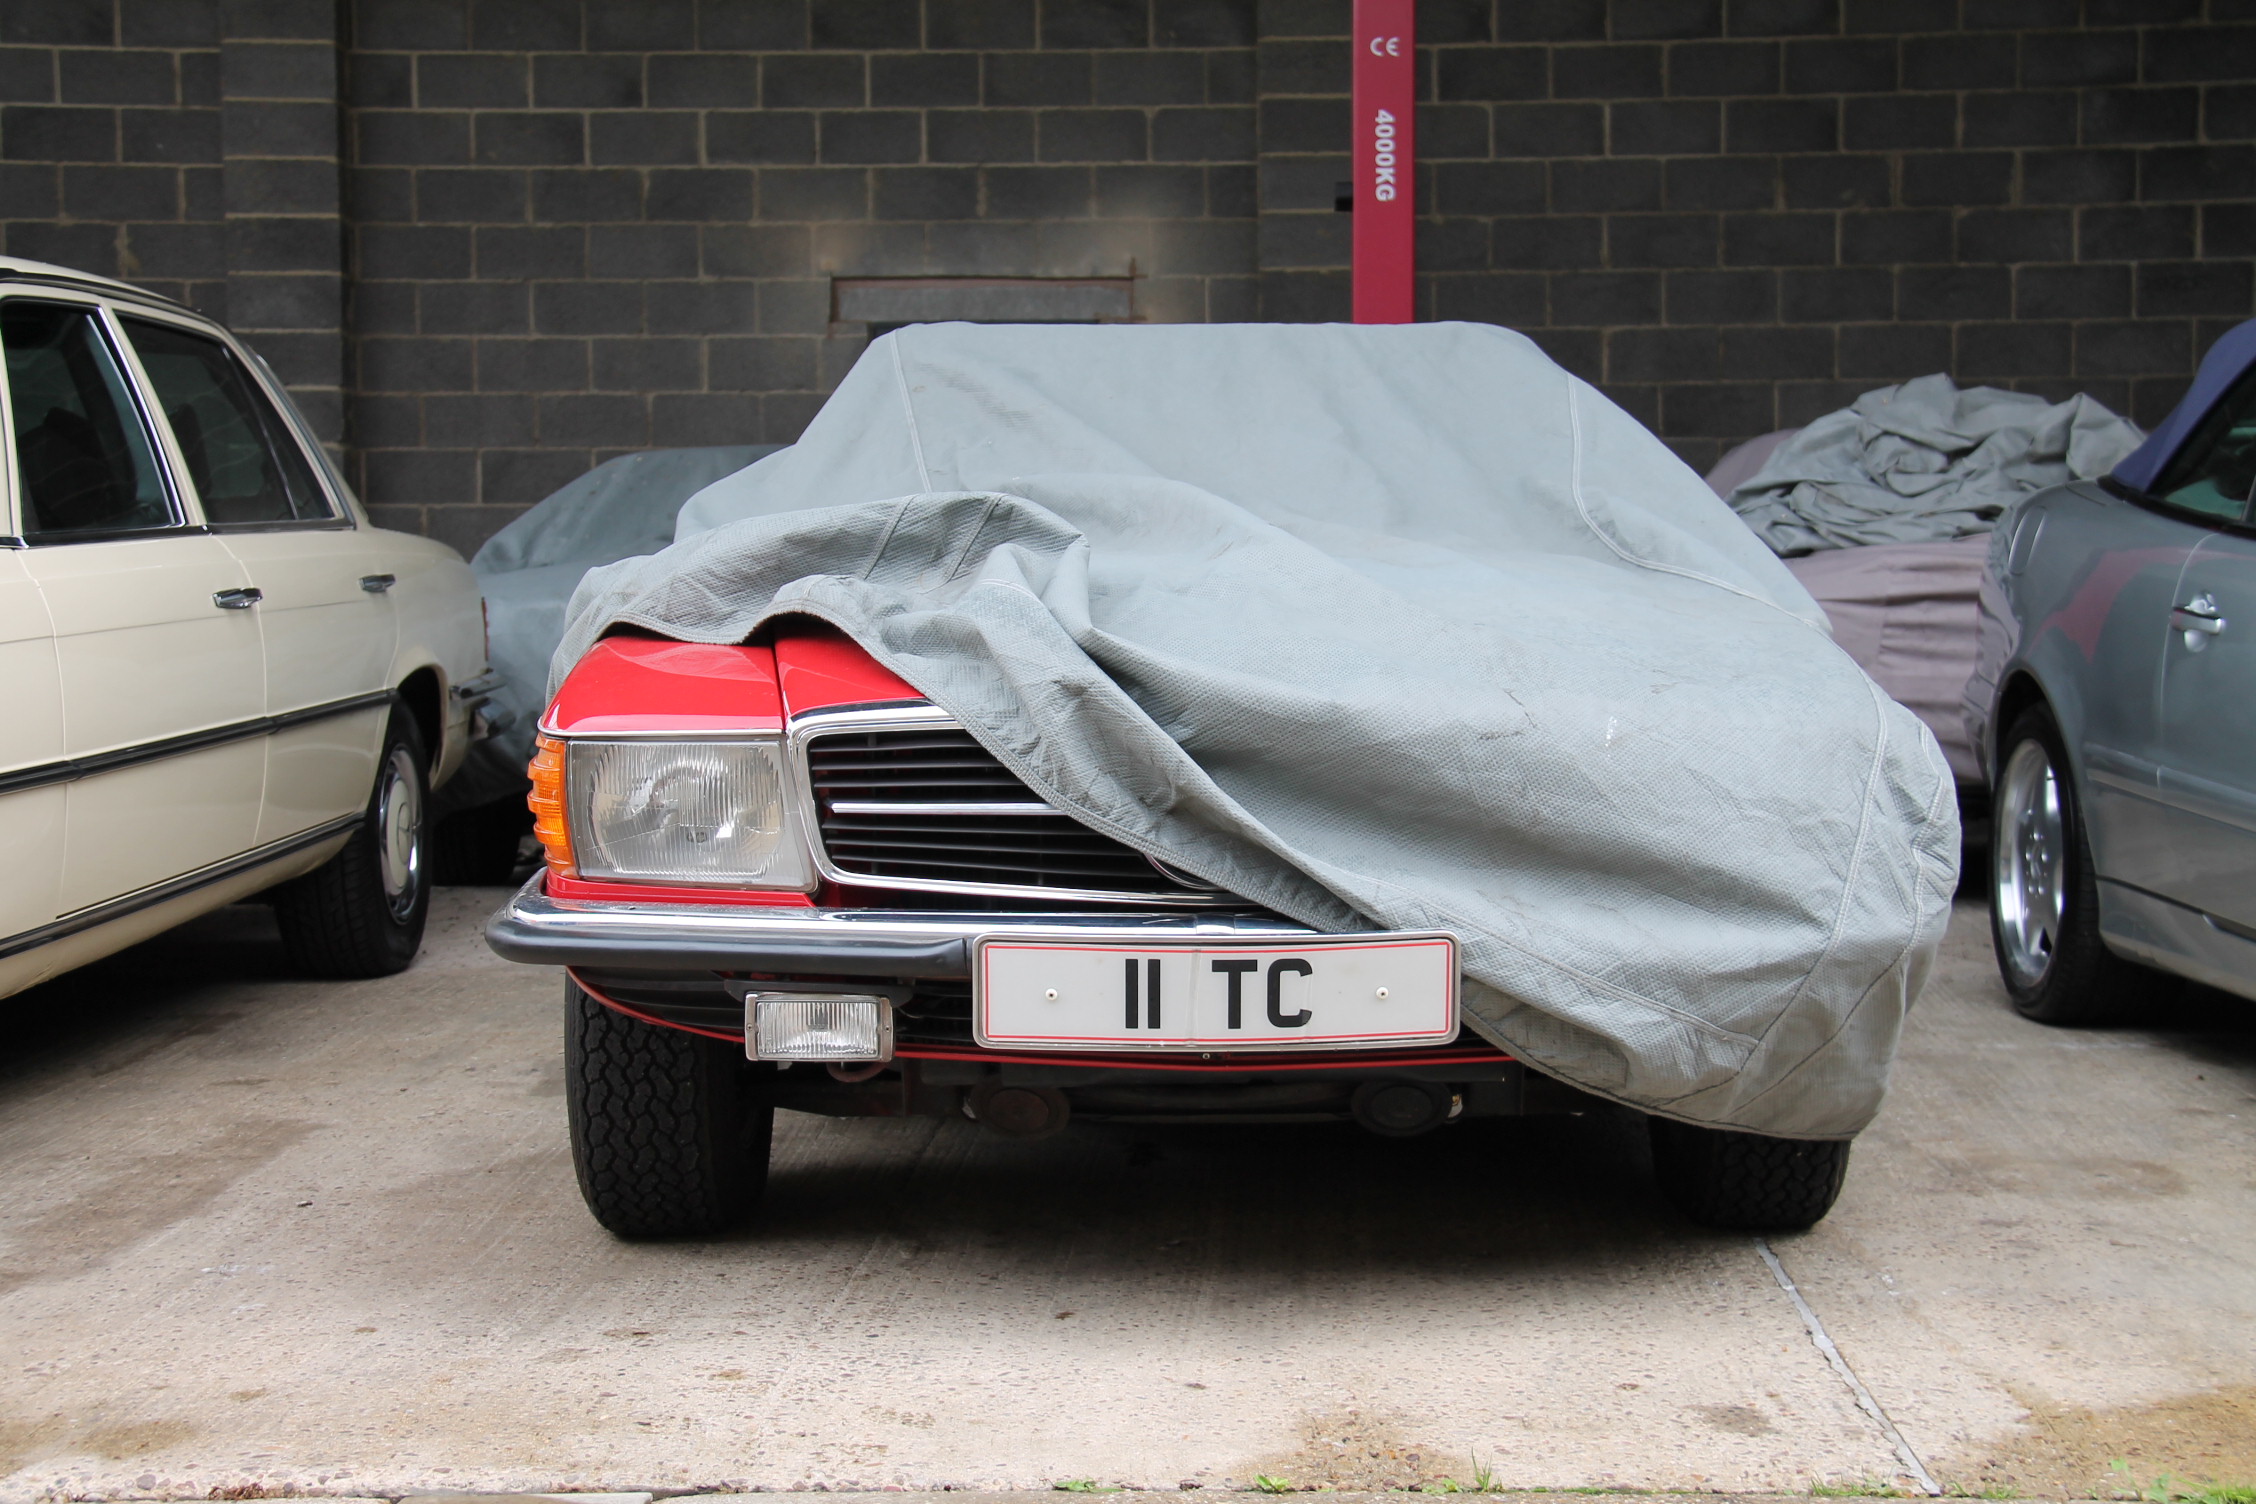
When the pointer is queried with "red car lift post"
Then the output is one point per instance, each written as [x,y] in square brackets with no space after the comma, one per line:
[1385,232]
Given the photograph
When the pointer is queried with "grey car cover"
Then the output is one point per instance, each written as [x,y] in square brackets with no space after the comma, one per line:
[1383,628]
[528,571]
[1924,462]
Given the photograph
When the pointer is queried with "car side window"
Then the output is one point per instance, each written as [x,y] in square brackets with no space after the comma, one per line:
[246,463]
[85,467]
[2215,471]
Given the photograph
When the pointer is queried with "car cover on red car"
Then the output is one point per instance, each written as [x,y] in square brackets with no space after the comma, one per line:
[1395,627]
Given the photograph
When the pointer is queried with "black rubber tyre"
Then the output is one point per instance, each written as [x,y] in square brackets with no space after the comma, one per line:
[2044,895]
[670,1132]
[361,913]
[477,847]
[1746,1182]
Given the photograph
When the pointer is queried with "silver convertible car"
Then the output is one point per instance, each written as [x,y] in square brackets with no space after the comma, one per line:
[2114,703]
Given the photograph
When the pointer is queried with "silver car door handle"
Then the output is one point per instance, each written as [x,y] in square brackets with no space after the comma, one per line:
[2197,615]
[377,584]
[240,599]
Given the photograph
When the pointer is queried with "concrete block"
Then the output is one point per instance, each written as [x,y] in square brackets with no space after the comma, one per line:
[864,24]
[1723,68]
[651,26]
[1836,182]
[762,136]
[1622,71]
[279,70]
[1094,23]
[116,75]
[46,133]
[535,139]
[600,81]
[1202,23]
[1040,78]
[567,195]
[813,82]
[168,23]
[693,81]
[1210,134]
[168,135]
[996,25]
[708,193]
[641,138]
[979,136]
[871,136]
[471,80]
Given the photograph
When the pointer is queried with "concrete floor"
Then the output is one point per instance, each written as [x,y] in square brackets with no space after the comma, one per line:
[266,1234]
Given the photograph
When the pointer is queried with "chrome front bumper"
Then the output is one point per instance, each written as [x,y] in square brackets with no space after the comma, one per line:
[544,931]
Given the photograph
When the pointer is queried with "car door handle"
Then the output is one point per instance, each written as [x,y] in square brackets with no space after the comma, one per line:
[240,599]
[377,584]
[2197,615]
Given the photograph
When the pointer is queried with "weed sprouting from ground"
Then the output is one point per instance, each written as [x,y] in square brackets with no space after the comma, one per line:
[2168,1490]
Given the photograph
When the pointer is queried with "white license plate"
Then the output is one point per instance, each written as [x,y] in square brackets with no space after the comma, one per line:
[1319,992]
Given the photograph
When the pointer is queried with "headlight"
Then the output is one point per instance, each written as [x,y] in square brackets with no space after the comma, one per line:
[685,812]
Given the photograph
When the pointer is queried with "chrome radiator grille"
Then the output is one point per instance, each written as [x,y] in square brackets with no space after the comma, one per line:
[928,807]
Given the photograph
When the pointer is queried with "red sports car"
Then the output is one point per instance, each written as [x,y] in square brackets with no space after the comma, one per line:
[780,877]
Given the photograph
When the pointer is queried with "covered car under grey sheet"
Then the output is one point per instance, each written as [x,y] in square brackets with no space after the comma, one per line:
[1389,628]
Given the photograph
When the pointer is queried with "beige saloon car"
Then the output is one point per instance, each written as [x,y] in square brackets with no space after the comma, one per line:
[220,679]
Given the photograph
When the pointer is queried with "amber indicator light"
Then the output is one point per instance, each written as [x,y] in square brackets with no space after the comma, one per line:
[547,803]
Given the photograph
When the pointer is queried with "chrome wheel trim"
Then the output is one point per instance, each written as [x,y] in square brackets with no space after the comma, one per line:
[2029,863]
[399,832]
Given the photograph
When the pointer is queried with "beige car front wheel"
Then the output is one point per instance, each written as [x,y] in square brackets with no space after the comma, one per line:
[361,913]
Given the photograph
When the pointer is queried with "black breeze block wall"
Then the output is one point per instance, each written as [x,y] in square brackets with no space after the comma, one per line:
[494,241]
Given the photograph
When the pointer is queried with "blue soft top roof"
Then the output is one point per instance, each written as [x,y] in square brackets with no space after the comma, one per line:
[2233,353]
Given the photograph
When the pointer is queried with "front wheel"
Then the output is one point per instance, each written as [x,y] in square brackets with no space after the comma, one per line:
[669,1130]
[361,913]
[2044,895]
[1747,1182]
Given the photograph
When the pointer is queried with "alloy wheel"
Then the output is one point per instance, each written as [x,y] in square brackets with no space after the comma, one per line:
[2029,862]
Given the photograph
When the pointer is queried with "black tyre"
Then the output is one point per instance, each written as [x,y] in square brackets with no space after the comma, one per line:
[669,1130]
[361,913]
[477,847]
[2044,895]
[1746,1182]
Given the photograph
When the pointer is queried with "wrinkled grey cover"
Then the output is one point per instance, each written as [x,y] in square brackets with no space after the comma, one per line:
[1924,462]
[530,568]
[1387,627]
[1741,461]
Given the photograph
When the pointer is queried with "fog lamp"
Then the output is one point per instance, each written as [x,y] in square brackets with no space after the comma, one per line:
[817,1026]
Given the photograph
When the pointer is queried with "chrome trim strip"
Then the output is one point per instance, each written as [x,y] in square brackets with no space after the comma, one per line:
[687,736]
[541,930]
[287,525]
[1019,810]
[926,716]
[98,287]
[149,897]
[71,769]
